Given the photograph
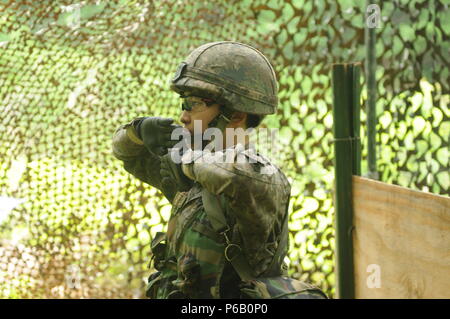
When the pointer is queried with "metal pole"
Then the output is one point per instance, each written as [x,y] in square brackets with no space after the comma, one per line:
[355,73]
[346,126]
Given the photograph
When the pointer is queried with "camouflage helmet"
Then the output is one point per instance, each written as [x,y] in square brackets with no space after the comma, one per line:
[234,74]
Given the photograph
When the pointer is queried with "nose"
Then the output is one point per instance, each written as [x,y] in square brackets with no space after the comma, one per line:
[185,118]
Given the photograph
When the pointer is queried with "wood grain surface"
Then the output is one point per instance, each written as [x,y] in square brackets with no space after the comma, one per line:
[401,241]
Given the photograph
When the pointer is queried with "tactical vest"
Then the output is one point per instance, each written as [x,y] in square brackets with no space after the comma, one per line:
[202,255]
[192,259]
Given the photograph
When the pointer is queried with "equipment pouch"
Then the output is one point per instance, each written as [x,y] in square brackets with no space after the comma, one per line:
[152,285]
[279,287]
[158,248]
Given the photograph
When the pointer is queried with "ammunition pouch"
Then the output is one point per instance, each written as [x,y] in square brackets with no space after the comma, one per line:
[279,287]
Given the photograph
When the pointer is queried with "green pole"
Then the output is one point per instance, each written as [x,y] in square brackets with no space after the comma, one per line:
[346,127]
[370,69]
[355,73]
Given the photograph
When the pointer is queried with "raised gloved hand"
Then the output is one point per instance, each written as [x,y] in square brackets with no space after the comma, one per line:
[173,179]
[156,134]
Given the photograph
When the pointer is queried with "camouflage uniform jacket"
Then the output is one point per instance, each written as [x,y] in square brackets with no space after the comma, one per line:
[190,256]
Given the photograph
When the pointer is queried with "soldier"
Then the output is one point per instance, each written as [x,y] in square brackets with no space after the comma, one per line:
[228,224]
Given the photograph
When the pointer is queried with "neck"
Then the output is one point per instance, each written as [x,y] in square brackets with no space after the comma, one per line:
[235,136]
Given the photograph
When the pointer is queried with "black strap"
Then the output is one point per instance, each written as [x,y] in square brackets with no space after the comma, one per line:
[233,252]
[274,268]
[216,211]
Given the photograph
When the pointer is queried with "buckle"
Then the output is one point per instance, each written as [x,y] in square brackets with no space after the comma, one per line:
[224,233]
[229,247]
[224,117]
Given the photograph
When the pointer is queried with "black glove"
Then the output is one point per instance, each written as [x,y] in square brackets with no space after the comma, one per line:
[173,179]
[156,134]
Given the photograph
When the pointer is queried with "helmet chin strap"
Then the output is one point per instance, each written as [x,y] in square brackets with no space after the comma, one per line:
[220,122]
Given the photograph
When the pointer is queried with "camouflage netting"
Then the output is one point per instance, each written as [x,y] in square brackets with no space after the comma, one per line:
[74,224]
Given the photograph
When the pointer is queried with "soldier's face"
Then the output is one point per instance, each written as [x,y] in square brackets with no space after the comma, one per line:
[196,109]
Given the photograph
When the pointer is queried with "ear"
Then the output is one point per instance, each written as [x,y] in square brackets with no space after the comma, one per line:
[238,117]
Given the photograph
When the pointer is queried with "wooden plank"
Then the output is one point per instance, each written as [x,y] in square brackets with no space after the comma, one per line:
[405,236]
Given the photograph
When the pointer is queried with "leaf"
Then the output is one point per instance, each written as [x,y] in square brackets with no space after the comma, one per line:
[406,32]
[89,11]
[420,45]
[444,19]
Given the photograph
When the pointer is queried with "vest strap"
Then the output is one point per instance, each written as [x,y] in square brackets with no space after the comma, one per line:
[216,208]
